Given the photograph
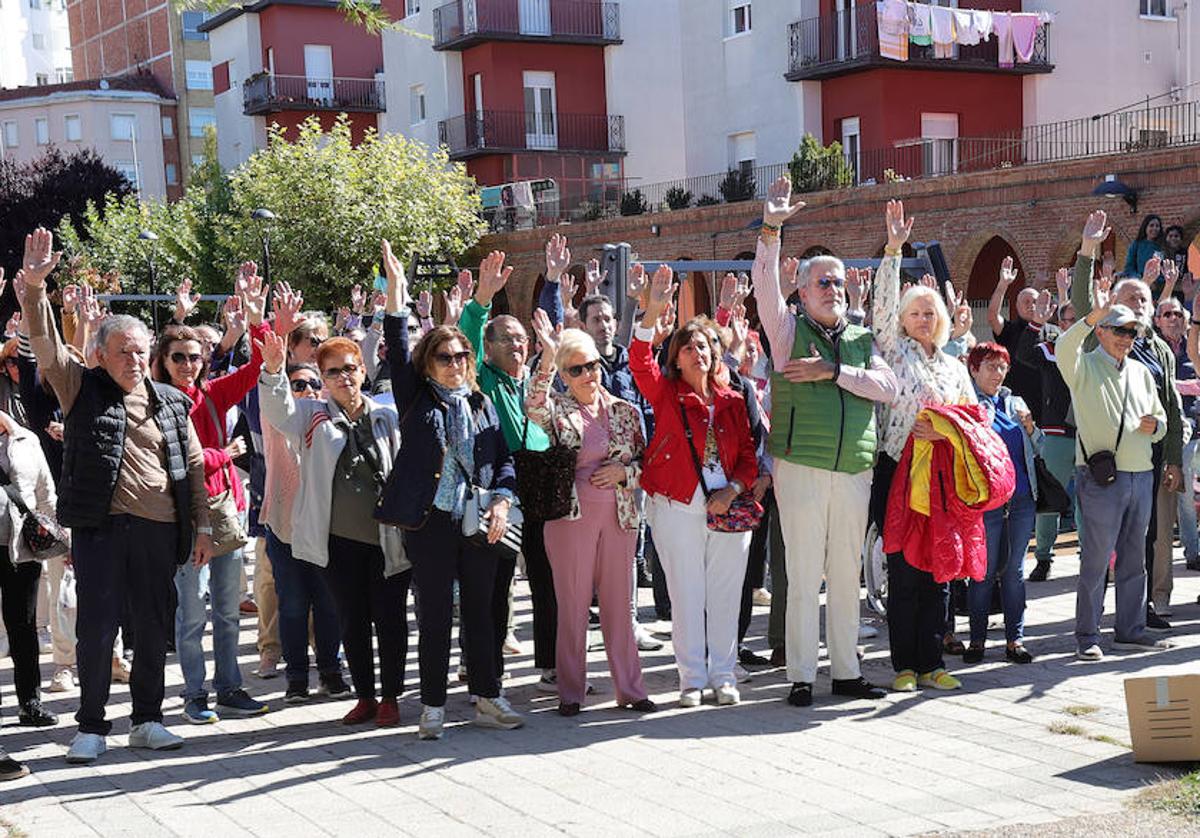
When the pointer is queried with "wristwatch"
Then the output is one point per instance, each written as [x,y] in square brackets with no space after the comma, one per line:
[204,530]
[737,486]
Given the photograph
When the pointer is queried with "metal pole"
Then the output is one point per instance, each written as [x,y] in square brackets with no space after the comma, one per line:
[153,291]
[266,254]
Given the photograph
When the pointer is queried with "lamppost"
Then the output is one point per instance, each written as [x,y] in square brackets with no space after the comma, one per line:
[264,216]
[152,238]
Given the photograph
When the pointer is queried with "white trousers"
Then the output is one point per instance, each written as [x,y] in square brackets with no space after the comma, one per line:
[823,515]
[704,571]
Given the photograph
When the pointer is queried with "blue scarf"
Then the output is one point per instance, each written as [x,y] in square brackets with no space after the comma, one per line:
[459,464]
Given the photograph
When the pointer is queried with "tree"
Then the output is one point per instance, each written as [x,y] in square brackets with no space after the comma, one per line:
[738,185]
[815,167]
[678,198]
[633,203]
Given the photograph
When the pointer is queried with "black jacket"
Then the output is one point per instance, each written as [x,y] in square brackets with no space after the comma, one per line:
[1038,354]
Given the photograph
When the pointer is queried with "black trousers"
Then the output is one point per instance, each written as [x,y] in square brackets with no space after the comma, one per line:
[505,568]
[127,564]
[1156,457]
[756,567]
[18,595]
[916,606]
[658,576]
[541,592]
[439,554]
[366,598]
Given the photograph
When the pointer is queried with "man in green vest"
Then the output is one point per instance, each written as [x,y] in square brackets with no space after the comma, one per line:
[827,377]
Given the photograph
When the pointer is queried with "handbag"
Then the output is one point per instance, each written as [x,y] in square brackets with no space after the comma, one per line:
[40,534]
[228,533]
[476,520]
[744,514]
[545,479]
[1051,496]
[1102,465]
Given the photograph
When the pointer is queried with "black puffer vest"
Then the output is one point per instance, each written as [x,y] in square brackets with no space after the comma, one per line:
[93,439]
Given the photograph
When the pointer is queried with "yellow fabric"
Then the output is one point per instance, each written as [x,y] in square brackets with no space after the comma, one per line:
[969,482]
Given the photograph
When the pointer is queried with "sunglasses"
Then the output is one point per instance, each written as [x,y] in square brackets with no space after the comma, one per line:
[1130,332]
[302,384]
[338,372]
[452,359]
[576,370]
[186,357]
[828,281]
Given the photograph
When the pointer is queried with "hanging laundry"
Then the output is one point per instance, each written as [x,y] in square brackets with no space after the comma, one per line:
[920,27]
[1024,34]
[965,32]
[943,31]
[982,18]
[1002,26]
[1047,17]
[891,17]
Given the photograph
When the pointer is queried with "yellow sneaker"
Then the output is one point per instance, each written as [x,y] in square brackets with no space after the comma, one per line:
[906,681]
[939,679]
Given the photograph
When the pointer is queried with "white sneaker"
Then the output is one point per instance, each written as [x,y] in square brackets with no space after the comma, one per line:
[728,694]
[85,748]
[690,698]
[1092,653]
[62,681]
[512,646]
[740,673]
[548,683]
[761,597]
[154,736]
[45,641]
[646,642]
[497,712]
[432,720]
[1162,608]
[121,670]
[3,646]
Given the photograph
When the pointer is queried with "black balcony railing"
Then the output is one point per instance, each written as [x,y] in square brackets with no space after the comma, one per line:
[848,40]
[487,132]
[462,23]
[268,93]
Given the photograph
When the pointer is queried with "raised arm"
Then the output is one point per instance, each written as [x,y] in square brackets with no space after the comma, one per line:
[645,369]
[539,403]
[405,380]
[1008,276]
[885,314]
[276,405]
[1095,231]
[558,259]
[777,321]
[64,373]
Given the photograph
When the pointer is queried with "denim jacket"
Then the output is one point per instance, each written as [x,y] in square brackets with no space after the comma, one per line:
[1033,444]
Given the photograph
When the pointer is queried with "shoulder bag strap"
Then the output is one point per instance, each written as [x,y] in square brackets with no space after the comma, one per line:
[1120,423]
[687,430]
[216,420]
[13,495]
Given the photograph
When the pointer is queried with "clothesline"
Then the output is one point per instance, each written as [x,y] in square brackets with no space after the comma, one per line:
[901,22]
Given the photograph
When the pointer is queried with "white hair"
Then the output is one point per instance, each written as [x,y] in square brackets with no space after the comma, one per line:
[1129,280]
[118,324]
[573,341]
[809,267]
[915,293]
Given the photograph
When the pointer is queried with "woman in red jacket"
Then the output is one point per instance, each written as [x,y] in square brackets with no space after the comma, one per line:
[704,568]
[178,360]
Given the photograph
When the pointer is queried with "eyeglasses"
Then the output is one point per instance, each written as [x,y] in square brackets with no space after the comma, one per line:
[834,281]
[1124,331]
[512,340]
[338,372]
[576,370]
[452,359]
[1171,313]
[186,357]
[302,384]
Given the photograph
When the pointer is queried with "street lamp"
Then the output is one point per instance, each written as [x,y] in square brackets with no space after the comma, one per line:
[150,236]
[264,216]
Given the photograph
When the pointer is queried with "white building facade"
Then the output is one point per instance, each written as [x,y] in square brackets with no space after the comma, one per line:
[35,43]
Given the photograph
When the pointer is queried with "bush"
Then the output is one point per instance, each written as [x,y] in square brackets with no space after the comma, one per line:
[590,211]
[707,201]
[678,198]
[815,167]
[738,185]
[633,203]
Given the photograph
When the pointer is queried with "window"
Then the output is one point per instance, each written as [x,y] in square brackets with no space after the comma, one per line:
[39,40]
[123,126]
[541,127]
[126,168]
[64,75]
[41,128]
[168,127]
[1156,8]
[416,104]
[172,172]
[41,79]
[852,143]
[72,128]
[192,20]
[739,17]
[11,135]
[939,131]
[198,118]
[199,75]
[742,150]
[411,7]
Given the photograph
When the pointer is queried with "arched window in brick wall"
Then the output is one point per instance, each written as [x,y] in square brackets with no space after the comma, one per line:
[985,271]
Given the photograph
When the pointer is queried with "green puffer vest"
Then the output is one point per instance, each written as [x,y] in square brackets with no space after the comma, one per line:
[817,423]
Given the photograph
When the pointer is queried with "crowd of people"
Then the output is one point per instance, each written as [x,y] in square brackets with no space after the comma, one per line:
[383,452]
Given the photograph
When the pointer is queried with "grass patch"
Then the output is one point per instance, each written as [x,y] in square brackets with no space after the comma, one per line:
[10,830]
[1176,797]
[1081,709]
[1069,729]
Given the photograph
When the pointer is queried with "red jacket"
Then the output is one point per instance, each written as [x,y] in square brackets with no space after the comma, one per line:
[668,468]
[950,542]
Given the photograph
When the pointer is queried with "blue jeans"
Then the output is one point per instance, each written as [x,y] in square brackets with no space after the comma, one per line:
[1008,531]
[300,587]
[225,595]
[1188,536]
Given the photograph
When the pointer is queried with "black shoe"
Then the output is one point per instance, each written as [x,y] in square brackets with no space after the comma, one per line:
[1040,572]
[643,705]
[748,658]
[333,686]
[568,708]
[10,769]
[644,580]
[1018,654]
[33,714]
[1155,622]
[1193,564]
[593,617]
[778,657]
[974,654]
[857,688]
[297,693]
[801,695]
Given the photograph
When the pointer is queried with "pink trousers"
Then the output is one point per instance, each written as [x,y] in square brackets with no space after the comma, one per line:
[594,553]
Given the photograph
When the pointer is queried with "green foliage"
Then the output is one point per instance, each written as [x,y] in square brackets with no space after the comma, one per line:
[738,185]
[707,201]
[815,167]
[633,203]
[678,198]
[369,14]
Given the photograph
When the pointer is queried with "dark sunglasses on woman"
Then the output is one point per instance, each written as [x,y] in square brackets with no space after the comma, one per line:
[576,370]
[186,357]
[302,384]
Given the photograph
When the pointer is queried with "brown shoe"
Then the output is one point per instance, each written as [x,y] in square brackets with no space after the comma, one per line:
[248,607]
[568,709]
[778,657]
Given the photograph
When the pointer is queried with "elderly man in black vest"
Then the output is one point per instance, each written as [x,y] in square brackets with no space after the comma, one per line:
[132,490]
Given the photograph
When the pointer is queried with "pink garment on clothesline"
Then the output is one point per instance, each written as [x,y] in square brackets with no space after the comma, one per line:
[1024,34]
[1002,27]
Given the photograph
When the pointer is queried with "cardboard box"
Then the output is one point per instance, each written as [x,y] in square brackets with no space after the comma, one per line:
[1164,718]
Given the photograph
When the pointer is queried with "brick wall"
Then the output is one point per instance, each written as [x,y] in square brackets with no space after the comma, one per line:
[1037,210]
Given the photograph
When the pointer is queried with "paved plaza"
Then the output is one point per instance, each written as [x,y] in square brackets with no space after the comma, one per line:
[1018,745]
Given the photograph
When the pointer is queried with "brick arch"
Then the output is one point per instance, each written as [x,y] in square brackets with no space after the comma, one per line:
[816,250]
[1065,252]
[985,268]
[966,254]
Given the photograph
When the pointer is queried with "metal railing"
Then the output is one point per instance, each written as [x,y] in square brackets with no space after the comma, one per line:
[268,92]
[484,132]
[571,20]
[827,44]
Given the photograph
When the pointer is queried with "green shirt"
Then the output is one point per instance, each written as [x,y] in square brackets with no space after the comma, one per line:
[506,392]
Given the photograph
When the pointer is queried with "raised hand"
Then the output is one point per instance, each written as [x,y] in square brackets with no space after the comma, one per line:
[546,337]
[341,317]
[729,289]
[1101,297]
[287,304]
[245,271]
[953,298]
[90,310]
[662,289]
[593,277]
[898,228]
[20,288]
[664,324]
[10,328]
[397,284]
[453,300]
[1043,307]
[789,269]
[358,299]
[1152,269]
[274,352]
[378,302]
[185,301]
[962,321]
[566,292]
[1095,231]
[638,284]
[235,316]
[1062,283]
[558,257]
[40,257]
[1008,274]
[425,305]
[1170,275]
[492,278]
[929,281]
[254,297]
[779,207]
[858,288]
[70,297]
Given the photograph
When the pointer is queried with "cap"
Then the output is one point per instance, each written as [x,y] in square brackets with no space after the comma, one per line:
[1120,315]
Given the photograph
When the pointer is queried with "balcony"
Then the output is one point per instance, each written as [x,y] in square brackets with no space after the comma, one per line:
[504,132]
[465,23]
[848,42]
[269,93]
